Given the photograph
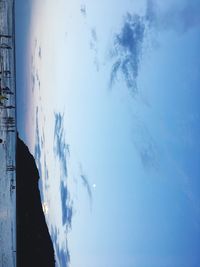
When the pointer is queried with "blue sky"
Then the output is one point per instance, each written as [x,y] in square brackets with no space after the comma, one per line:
[113,121]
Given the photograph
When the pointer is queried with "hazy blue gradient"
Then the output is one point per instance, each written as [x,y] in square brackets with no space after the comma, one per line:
[115,89]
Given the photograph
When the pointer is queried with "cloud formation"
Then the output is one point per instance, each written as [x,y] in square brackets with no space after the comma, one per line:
[86,185]
[33,81]
[37,149]
[66,207]
[40,155]
[127,51]
[179,17]
[83,10]
[62,254]
[94,47]
[145,145]
[61,148]
[40,52]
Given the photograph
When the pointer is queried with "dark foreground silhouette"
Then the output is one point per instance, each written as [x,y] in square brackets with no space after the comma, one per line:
[34,245]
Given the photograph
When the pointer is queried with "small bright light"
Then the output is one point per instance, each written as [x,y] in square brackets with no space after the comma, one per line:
[94,185]
[45,208]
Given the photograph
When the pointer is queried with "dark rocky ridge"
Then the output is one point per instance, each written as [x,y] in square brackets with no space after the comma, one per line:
[34,245]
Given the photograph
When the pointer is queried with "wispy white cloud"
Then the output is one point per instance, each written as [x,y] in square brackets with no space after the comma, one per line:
[37,149]
[40,154]
[94,47]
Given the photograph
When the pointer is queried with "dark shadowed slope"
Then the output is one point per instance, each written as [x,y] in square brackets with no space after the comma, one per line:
[34,245]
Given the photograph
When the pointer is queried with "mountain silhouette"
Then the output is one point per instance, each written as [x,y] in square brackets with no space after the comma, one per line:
[34,245]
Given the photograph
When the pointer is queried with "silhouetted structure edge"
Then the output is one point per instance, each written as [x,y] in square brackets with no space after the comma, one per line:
[34,244]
